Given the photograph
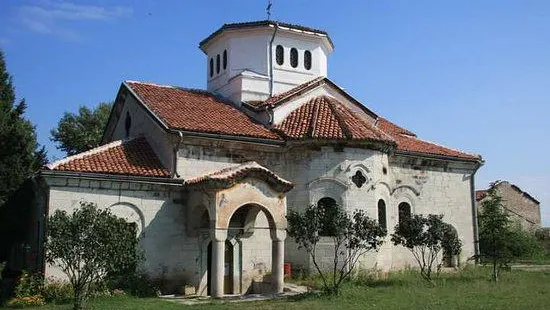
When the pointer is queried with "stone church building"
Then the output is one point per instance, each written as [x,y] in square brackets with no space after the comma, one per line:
[208,175]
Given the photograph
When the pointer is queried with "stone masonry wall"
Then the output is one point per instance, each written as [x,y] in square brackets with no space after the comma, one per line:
[170,256]
[521,208]
[429,186]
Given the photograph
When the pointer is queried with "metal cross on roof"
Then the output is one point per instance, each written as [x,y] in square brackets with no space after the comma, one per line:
[268,9]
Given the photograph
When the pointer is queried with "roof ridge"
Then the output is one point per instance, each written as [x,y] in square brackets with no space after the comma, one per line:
[289,93]
[311,128]
[337,114]
[149,83]
[90,152]
[190,89]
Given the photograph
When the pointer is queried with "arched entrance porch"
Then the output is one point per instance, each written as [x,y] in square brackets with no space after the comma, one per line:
[234,197]
[251,227]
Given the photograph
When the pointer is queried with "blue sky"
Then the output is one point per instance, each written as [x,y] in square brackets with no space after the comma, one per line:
[473,75]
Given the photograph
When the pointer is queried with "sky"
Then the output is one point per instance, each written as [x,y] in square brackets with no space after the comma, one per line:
[472,75]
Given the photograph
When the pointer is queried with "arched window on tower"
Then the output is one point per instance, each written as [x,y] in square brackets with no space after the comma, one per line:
[280,55]
[404,211]
[211,67]
[127,124]
[329,208]
[307,60]
[218,64]
[225,59]
[382,214]
[294,57]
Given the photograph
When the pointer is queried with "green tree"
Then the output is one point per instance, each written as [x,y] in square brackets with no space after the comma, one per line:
[425,237]
[20,155]
[351,236]
[77,133]
[494,231]
[89,245]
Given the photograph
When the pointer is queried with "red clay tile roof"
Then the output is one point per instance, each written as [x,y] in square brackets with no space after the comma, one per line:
[132,157]
[227,177]
[281,98]
[326,118]
[407,141]
[198,111]
[290,93]
[481,194]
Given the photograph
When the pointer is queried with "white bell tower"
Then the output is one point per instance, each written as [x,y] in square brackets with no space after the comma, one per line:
[255,60]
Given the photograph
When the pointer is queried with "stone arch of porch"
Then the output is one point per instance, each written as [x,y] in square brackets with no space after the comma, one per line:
[255,195]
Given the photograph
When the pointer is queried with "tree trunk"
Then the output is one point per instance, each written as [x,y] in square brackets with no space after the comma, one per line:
[80,295]
[495,271]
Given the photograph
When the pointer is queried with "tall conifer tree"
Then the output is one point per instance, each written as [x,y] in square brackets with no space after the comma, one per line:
[20,155]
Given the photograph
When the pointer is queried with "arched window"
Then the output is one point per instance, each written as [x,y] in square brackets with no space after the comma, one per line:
[280,55]
[382,214]
[307,60]
[218,64]
[225,59]
[211,67]
[294,57]
[329,208]
[128,124]
[404,211]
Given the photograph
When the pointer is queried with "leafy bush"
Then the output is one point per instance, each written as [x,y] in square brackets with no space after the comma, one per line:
[88,245]
[136,284]
[352,236]
[59,292]
[29,285]
[27,301]
[500,241]
[525,245]
[425,237]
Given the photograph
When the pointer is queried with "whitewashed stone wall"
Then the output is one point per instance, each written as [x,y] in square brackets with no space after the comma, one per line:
[142,124]
[169,253]
[429,186]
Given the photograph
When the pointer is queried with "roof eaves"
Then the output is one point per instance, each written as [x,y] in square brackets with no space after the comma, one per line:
[116,177]
[263,23]
[524,193]
[439,156]
[219,136]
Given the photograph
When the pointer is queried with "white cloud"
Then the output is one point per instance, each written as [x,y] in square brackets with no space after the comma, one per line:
[51,17]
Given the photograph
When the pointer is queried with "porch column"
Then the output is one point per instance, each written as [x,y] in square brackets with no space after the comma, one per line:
[218,259]
[277,259]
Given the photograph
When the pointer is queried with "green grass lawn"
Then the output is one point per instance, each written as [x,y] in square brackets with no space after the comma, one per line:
[469,289]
